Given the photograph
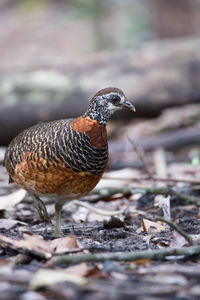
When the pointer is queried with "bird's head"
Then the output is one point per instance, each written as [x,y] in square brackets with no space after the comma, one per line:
[105,102]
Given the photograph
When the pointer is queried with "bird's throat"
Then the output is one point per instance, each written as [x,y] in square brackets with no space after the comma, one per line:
[99,113]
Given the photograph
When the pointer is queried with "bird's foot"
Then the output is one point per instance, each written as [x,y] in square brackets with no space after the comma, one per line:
[58,233]
[41,208]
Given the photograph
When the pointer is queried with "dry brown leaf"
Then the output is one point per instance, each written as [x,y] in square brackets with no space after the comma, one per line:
[31,243]
[12,199]
[65,244]
[96,273]
[142,262]
[178,240]
[8,223]
[85,271]
[80,270]
[35,244]
[153,227]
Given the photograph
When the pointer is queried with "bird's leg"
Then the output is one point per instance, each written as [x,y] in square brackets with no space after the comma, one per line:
[58,208]
[41,208]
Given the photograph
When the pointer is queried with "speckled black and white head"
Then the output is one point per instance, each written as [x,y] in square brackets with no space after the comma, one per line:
[105,102]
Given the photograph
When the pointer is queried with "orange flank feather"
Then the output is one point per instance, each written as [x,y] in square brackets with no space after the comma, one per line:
[39,178]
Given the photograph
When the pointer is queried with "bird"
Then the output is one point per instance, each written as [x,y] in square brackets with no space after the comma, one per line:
[65,158]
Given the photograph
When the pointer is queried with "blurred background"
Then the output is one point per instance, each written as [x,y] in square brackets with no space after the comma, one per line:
[55,54]
[53,29]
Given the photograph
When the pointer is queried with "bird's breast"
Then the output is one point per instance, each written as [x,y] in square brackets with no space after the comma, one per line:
[95,131]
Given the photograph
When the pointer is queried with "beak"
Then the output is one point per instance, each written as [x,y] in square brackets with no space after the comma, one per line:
[129,105]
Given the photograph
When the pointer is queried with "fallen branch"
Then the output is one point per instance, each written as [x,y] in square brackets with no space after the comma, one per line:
[126,256]
[155,178]
[130,190]
[91,208]
[107,192]
[176,180]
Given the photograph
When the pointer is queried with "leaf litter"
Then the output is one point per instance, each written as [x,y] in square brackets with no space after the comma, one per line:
[28,249]
[36,245]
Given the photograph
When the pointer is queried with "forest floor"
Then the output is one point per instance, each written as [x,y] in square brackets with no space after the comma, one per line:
[147,249]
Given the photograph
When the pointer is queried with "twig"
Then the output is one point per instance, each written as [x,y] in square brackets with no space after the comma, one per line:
[130,190]
[98,211]
[187,198]
[126,256]
[141,156]
[143,190]
[177,228]
[191,181]
[155,178]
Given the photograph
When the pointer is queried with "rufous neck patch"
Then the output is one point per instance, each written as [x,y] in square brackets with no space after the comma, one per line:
[96,132]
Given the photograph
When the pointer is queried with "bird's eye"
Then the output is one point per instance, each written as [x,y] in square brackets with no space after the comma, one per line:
[115,99]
